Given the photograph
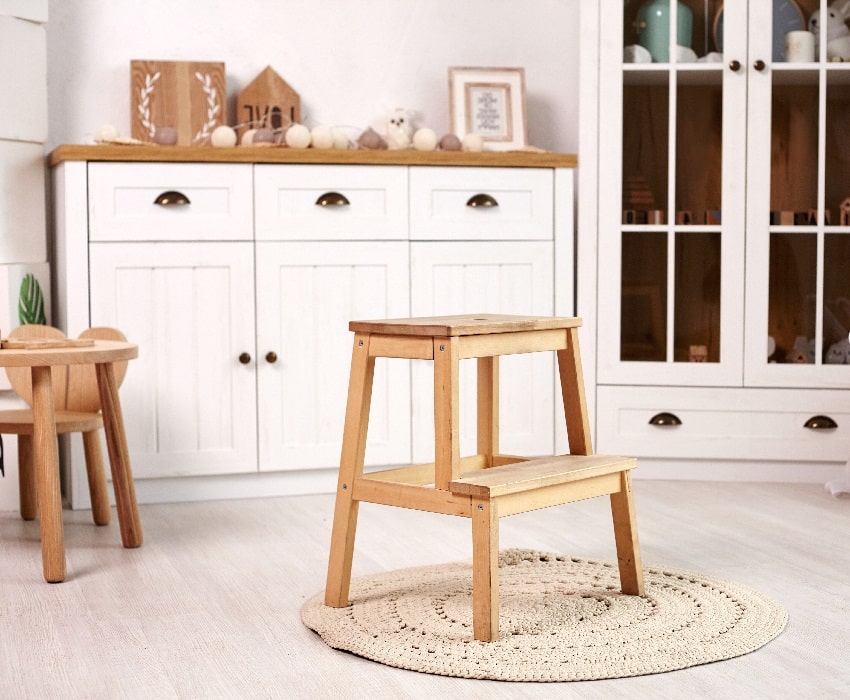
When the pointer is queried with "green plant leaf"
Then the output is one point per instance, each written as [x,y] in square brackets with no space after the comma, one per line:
[31,301]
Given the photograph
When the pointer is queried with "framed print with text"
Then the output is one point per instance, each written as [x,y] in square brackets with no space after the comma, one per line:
[489,102]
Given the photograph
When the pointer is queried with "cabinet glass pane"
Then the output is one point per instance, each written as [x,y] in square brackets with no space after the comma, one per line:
[646,29]
[645,152]
[837,161]
[697,298]
[643,297]
[794,149]
[792,297]
[836,298]
[699,146]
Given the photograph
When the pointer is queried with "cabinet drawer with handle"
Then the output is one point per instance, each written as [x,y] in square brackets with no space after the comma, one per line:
[476,204]
[170,202]
[330,202]
[707,423]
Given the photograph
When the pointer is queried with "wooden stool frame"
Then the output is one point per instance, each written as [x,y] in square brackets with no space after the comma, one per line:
[488,485]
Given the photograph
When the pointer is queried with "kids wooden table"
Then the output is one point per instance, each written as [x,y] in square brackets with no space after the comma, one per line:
[40,358]
[488,485]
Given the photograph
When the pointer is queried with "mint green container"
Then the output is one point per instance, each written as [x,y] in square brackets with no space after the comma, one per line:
[653,26]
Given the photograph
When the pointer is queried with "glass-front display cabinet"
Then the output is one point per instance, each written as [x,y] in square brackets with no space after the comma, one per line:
[724,178]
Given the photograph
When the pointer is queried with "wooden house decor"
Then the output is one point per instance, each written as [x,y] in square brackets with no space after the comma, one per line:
[186,96]
[267,102]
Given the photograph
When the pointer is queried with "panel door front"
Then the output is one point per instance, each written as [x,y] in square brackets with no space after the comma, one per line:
[306,295]
[493,277]
[190,398]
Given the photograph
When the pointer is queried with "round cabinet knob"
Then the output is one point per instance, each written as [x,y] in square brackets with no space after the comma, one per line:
[245,358]
[734,66]
[271,357]
[759,65]
[664,419]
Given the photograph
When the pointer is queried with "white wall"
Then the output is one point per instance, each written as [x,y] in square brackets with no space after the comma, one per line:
[350,60]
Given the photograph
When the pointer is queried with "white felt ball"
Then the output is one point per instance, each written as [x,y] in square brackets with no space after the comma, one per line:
[322,137]
[425,139]
[223,137]
[106,133]
[340,138]
[298,136]
[473,142]
[248,137]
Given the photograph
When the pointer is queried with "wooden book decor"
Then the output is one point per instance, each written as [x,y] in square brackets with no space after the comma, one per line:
[187,97]
[267,102]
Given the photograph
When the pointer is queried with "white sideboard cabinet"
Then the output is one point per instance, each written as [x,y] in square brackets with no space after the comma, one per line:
[237,271]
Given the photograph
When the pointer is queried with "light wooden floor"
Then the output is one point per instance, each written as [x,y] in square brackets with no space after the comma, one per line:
[209,606]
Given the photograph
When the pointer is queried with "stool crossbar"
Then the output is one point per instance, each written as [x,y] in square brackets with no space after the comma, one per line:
[487,485]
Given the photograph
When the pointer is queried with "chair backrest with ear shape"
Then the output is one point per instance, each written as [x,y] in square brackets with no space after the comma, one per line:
[82,380]
[74,386]
[21,377]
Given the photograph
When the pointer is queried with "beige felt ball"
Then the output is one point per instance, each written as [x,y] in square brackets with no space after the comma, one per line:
[340,138]
[322,137]
[297,136]
[425,139]
[473,143]
[106,133]
[223,137]
[248,137]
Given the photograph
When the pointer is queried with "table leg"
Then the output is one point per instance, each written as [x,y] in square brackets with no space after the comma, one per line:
[119,457]
[46,458]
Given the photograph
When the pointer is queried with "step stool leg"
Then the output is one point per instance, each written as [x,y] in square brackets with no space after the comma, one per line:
[572,391]
[26,478]
[446,412]
[485,570]
[350,467]
[626,537]
[488,407]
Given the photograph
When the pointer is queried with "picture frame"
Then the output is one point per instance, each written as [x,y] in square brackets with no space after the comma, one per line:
[489,102]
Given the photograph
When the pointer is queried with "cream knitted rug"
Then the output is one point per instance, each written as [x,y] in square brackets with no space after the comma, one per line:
[561,619]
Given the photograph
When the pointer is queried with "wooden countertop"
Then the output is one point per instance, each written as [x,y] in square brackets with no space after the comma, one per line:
[252,154]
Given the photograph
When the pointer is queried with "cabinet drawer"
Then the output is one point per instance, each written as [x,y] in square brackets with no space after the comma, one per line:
[322,202]
[744,424]
[126,203]
[452,204]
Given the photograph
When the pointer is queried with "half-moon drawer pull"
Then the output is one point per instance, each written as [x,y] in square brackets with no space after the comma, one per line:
[332,199]
[820,423]
[171,198]
[665,418]
[482,200]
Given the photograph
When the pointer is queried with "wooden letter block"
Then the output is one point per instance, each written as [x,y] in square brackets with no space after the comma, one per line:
[186,96]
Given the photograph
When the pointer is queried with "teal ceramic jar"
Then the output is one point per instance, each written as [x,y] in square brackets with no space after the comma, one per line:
[653,25]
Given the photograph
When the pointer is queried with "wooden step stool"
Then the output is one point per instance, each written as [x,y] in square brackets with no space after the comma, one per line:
[488,485]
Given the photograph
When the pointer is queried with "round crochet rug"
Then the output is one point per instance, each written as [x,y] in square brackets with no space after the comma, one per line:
[561,619]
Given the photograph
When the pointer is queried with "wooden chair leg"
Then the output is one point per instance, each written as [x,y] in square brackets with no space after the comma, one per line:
[101,512]
[485,570]
[626,537]
[572,392]
[26,478]
[351,467]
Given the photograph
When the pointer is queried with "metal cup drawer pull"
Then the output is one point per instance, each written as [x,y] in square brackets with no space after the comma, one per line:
[482,200]
[820,423]
[664,419]
[332,199]
[172,198]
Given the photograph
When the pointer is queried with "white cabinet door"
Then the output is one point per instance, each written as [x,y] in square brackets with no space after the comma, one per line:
[189,401]
[492,277]
[306,295]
